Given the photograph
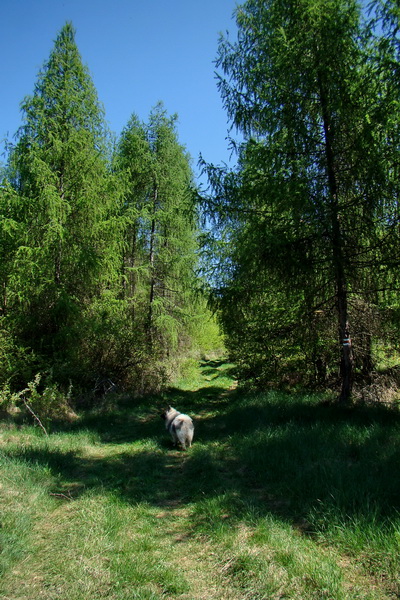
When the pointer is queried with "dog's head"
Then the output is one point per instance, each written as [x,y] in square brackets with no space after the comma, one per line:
[164,414]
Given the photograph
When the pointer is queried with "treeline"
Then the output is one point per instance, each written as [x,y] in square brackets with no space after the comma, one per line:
[100,239]
[306,243]
[98,242]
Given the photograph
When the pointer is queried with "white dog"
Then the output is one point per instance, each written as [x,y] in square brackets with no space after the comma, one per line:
[180,427]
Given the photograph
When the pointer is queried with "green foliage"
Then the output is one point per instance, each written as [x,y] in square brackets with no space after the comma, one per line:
[15,361]
[40,402]
[160,231]
[99,250]
[206,333]
[60,233]
[306,225]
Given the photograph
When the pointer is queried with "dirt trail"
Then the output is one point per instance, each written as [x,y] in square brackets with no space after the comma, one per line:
[193,555]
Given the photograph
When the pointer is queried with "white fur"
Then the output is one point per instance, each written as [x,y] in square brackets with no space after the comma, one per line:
[180,427]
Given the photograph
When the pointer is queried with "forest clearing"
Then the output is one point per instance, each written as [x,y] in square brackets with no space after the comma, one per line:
[280,496]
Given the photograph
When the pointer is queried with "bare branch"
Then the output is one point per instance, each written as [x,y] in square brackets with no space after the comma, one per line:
[35,416]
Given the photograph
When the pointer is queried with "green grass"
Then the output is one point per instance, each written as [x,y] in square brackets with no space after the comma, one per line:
[280,496]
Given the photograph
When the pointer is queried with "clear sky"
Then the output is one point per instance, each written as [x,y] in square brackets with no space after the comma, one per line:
[138,52]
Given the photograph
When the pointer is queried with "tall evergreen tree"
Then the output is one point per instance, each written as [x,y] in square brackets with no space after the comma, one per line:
[161,229]
[63,203]
[300,84]
[172,239]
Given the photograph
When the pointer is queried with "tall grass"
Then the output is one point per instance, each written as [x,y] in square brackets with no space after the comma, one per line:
[281,496]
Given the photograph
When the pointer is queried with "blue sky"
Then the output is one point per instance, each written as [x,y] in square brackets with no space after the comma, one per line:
[138,52]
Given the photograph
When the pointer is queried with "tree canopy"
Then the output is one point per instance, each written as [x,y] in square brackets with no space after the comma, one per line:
[98,244]
[310,213]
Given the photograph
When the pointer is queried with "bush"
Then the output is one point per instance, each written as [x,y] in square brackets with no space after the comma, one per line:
[44,406]
[17,363]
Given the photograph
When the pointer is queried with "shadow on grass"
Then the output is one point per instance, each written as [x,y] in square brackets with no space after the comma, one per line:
[214,368]
[274,453]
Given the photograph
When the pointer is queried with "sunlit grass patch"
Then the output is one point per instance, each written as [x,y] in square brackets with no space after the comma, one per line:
[218,373]
[97,547]
[265,557]
[24,496]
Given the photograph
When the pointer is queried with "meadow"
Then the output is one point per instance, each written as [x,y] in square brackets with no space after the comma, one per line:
[282,496]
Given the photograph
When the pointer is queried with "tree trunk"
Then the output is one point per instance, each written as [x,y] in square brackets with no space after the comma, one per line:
[346,361]
[152,272]
[346,351]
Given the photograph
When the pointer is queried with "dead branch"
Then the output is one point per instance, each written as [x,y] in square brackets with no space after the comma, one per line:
[59,495]
[35,416]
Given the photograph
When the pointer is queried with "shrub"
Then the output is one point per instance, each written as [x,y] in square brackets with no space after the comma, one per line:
[44,406]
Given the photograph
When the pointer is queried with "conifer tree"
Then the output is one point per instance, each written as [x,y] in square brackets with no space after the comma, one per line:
[63,203]
[305,208]
[161,228]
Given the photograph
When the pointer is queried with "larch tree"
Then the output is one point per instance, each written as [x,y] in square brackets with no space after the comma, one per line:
[173,230]
[160,229]
[63,204]
[302,210]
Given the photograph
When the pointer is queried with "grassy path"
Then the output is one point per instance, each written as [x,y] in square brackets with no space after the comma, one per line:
[279,497]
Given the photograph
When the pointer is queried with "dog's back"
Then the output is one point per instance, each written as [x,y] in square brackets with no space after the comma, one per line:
[180,427]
